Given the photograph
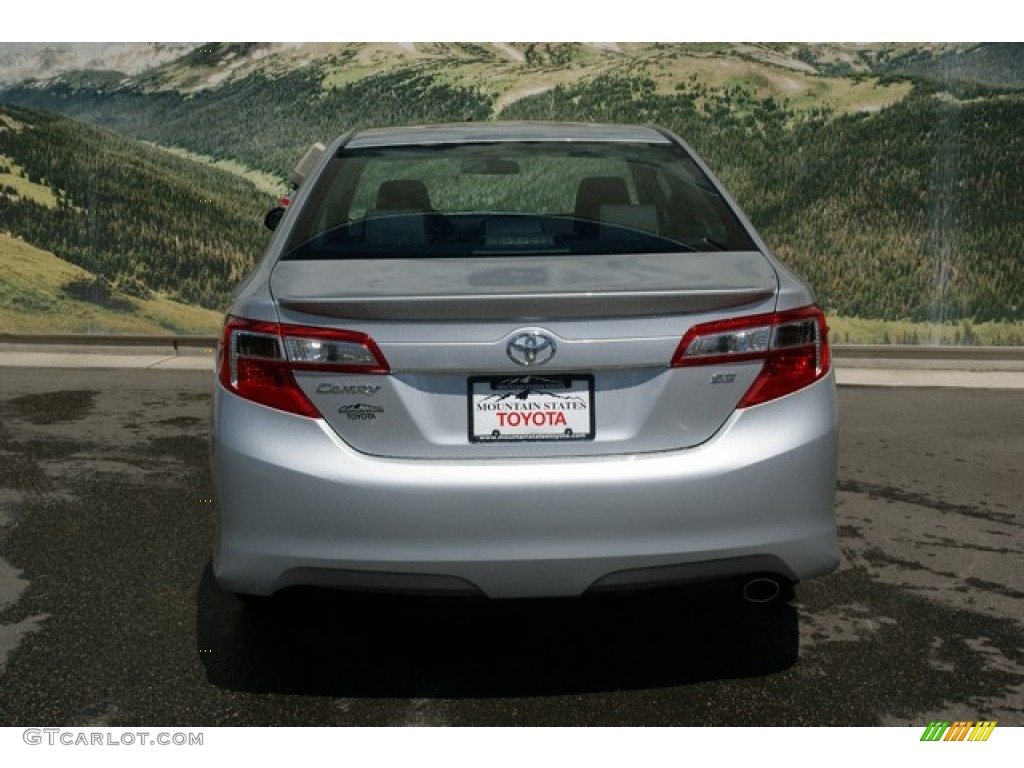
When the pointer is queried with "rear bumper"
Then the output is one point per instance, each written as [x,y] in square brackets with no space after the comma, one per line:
[299,506]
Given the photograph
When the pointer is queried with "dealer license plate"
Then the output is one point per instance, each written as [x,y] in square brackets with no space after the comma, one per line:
[513,408]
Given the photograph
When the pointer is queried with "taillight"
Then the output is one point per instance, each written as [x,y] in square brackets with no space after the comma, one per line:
[257,359]
[792,344]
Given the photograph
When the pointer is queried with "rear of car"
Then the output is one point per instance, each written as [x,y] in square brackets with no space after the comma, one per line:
[521,360]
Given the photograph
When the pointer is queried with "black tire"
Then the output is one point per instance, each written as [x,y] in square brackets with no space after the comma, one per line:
[258,603]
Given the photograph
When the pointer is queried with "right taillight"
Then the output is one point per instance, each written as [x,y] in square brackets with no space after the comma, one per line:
[257,359]
[793,345]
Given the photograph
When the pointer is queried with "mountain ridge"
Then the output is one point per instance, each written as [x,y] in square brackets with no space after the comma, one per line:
[20,62]
[897,195]
[189,67]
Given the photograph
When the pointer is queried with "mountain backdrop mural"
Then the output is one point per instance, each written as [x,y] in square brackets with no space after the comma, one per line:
[134,177]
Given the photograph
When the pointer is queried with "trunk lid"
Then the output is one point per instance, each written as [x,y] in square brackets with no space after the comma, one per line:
[449,329]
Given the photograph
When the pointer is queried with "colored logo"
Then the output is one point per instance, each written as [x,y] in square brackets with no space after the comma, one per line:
[961,730]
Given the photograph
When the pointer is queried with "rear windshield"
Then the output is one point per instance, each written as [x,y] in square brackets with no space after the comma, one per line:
[508,198]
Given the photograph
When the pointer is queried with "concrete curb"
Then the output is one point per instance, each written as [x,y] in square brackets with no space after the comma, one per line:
[946,368]
[32,341]
[931,378]
[908,352]
[107,340]
[94,359]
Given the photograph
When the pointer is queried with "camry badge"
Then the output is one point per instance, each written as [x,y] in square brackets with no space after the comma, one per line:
[530,348]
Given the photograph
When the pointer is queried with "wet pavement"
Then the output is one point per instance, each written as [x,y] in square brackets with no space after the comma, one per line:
[109,614]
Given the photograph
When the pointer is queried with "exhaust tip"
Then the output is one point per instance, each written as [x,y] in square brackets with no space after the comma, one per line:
[761,590]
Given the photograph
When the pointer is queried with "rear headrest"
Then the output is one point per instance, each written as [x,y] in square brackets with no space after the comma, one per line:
[595,191]
[403,195]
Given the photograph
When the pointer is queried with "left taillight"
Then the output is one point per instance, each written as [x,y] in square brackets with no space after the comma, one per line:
[793,345]
[257,360]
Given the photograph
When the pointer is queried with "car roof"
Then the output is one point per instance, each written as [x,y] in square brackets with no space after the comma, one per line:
[463,133]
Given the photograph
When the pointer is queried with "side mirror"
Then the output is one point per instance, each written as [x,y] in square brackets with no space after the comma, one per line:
[273,217]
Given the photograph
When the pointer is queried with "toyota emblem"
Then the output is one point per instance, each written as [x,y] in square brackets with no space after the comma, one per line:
[530,348]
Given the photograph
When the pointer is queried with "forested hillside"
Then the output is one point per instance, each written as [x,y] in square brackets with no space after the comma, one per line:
[263,121]
[40,292]
[994,64]
[892,178]
[139,218]
[916,211]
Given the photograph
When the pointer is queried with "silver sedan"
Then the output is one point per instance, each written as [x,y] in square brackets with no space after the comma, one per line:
[521,360]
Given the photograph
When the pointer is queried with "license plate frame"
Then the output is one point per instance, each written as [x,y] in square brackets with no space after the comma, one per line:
[549,408]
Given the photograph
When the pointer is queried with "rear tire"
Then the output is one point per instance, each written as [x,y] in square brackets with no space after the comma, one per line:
[257,604]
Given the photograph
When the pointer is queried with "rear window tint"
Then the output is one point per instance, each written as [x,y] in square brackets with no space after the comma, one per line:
[511,198]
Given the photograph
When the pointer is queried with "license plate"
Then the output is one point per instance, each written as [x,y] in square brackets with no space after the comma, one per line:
[515,408]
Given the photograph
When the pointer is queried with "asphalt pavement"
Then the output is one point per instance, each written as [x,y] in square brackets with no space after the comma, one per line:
[109,614]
